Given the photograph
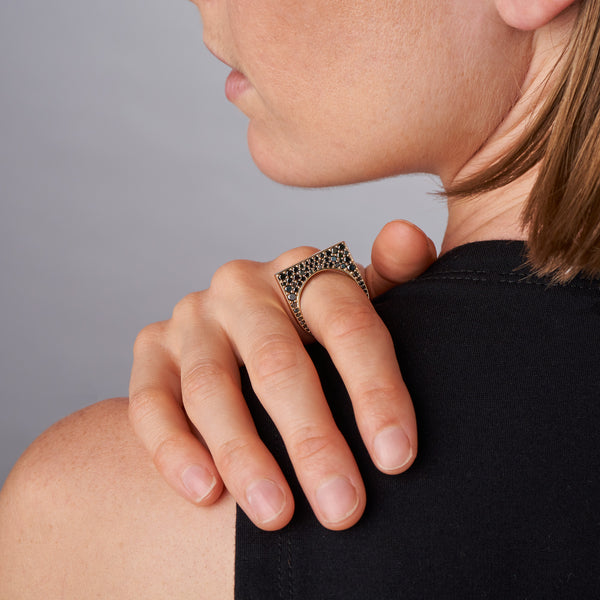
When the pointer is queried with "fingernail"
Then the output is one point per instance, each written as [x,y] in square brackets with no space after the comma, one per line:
[337,499]
[198,481]
[392,449]
[266,499]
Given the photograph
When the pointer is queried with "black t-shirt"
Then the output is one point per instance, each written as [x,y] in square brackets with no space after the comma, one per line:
[503,500]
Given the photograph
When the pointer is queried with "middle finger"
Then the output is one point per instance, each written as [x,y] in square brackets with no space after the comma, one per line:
[287,384]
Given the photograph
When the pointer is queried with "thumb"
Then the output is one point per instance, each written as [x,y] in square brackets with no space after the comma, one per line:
[400,252]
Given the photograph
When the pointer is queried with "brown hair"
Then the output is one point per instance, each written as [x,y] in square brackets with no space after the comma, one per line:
[562,213]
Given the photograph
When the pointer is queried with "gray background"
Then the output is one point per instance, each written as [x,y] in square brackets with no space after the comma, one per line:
[125,181]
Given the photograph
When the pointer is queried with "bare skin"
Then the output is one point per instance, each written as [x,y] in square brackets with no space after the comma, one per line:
[198,351]
[84,513]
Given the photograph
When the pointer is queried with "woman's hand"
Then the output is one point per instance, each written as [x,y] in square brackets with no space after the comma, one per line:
[187,408]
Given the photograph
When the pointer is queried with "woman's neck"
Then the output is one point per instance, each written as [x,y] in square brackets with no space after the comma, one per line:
[497,214]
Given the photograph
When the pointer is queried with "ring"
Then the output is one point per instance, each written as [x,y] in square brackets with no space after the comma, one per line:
[293,279]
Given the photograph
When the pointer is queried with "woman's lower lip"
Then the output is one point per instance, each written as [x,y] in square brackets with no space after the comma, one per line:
[235,85]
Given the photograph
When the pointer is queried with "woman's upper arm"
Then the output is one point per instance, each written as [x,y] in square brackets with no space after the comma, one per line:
[84,513]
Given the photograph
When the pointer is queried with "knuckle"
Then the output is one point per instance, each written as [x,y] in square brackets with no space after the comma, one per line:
[275,359]
[377,403]
[165,449]
[231,456]
[310,444]
[188,307]
[293,256]
[149,338]
[230,275]
[143,404]
[349,320]
[202,378]
[146,419]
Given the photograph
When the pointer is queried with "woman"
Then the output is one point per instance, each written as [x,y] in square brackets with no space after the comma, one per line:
[500,98]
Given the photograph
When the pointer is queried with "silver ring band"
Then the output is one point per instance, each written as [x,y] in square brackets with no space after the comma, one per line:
[293,279]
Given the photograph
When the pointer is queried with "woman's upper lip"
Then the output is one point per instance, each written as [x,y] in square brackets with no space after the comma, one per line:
[218,57]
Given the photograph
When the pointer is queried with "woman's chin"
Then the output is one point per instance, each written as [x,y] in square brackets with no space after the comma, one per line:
[276,160]
[297,166]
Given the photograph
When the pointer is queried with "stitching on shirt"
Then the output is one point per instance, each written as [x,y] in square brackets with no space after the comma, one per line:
[279,570]
[590,286]
[452,272]
[289,558]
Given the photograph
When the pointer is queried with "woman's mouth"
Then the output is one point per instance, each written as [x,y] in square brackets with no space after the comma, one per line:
[235,85]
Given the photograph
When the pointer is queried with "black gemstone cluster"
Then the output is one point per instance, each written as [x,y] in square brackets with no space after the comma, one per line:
[293,279]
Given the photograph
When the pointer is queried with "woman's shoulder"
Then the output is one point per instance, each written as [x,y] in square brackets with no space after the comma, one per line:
[84,512]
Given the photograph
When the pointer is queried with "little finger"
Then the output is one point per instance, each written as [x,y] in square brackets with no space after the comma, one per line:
[157,416]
